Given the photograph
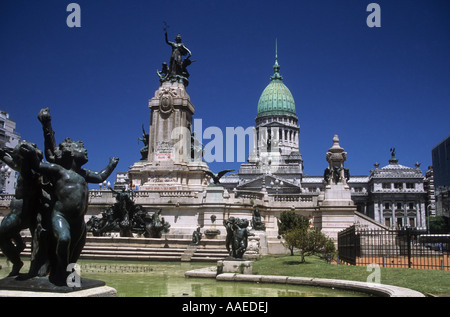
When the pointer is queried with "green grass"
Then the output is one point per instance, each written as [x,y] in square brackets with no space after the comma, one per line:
[425,281]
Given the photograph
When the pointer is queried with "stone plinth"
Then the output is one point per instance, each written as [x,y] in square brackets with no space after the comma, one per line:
[234,266]
[41,287]
[214,194]
[172,163]
[337,195]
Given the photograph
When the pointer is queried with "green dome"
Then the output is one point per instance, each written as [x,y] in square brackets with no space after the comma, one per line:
[276,99]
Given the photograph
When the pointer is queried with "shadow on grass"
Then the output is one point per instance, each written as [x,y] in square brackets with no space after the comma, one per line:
[294,262]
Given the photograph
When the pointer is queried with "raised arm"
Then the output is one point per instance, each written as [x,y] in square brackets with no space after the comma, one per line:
[167,40]
[98,177]
[49,135]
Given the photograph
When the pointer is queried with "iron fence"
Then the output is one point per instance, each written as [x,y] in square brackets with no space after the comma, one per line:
[406,247]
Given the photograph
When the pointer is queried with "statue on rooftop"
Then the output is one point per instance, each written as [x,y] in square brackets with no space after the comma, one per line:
[216,177]
[145,139]
[177,68]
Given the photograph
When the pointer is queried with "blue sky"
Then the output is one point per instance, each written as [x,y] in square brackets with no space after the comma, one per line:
[376,88]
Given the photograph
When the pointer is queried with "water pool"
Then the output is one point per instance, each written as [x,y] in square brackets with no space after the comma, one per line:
[166,279]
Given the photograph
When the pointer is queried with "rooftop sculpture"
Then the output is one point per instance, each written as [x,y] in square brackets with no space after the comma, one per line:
[177,69]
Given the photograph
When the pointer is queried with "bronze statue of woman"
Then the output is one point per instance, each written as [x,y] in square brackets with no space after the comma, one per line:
[178,50]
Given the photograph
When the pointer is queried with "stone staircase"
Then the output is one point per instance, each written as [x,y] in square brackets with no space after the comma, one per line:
[168,248]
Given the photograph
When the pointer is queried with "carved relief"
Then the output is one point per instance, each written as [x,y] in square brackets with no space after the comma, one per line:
[166,96]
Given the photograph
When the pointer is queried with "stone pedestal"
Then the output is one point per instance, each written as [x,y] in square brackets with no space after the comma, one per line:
[337,195]
[214,194]
[41,287]
[172,164]
[234,266]
[337,209]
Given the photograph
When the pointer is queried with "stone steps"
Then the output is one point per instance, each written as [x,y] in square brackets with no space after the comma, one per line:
[144,249]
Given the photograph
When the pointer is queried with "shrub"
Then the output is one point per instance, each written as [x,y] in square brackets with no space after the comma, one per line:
[310,241]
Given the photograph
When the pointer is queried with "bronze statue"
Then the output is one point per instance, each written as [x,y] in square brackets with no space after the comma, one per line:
[178,50]
[55,215]
[158,225]
[196,236]
[123,211]
[229,223]
[257,223]
[177,69]
[240,238]
[25,207]
[145,140]
[70,195]
[216,177]
[237,236]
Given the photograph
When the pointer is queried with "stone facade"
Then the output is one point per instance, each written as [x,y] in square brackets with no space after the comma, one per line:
[8,138]
[171,176]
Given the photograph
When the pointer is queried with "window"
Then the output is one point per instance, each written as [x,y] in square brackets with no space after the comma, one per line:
[399,222]
[411,206]
[387,206]
[410,185]
[387,222]
[398,185]
[399,205]
[386,185]
[412,222]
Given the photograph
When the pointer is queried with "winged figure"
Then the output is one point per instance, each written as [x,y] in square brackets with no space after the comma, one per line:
[216,177]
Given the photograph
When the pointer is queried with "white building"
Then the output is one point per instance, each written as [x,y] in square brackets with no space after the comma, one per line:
[393,195]
[8,138]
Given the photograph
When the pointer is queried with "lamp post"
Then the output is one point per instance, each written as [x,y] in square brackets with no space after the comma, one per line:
[428,218]
[5,171]
[276,185]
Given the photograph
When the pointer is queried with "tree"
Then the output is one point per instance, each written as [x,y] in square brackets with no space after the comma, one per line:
[310,241]
[329,251]
[290,220]
[439,224]
[288,225]
[290,239]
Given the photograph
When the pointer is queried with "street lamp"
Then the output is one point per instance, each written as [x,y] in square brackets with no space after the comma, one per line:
[428,218]
[5,172]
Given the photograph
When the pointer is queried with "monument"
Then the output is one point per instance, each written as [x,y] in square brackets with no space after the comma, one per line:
[51,201]
[336,205]
[173,159]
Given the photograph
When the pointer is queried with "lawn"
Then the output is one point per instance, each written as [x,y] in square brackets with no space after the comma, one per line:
[425,281]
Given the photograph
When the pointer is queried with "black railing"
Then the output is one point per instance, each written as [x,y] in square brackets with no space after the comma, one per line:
[407,247]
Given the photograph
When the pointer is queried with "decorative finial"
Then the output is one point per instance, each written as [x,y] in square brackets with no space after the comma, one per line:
[276,67]
[276,51]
